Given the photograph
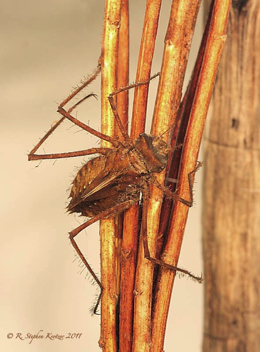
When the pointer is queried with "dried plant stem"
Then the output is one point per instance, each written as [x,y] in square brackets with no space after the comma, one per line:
[178,138]
[146,52]
[131,228]
[206,81]
[177,44]
[123,64]
[122,108]
[108,341]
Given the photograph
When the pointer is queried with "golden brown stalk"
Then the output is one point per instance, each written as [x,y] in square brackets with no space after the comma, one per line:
[146,52]
[126,276]
[130,237]
[177,44]
[108,340]
[123,64]
[178,138]
[206,81]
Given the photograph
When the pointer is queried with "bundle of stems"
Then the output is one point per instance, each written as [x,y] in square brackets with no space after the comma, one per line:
[135,299]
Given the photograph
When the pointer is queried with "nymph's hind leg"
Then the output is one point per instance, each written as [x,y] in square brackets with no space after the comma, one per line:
[117,209]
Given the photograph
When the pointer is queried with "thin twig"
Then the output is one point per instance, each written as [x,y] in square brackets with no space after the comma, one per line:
[178,141]
[108,340]
[131,227]
[177,44]
[125,326]
[206,81]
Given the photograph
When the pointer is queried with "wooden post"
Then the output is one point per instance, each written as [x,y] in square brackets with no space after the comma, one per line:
[231,210]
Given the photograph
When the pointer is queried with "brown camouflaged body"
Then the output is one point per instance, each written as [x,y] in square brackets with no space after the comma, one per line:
[106,181]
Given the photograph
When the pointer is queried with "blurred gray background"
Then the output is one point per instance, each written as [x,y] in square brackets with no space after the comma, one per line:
[46,49]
